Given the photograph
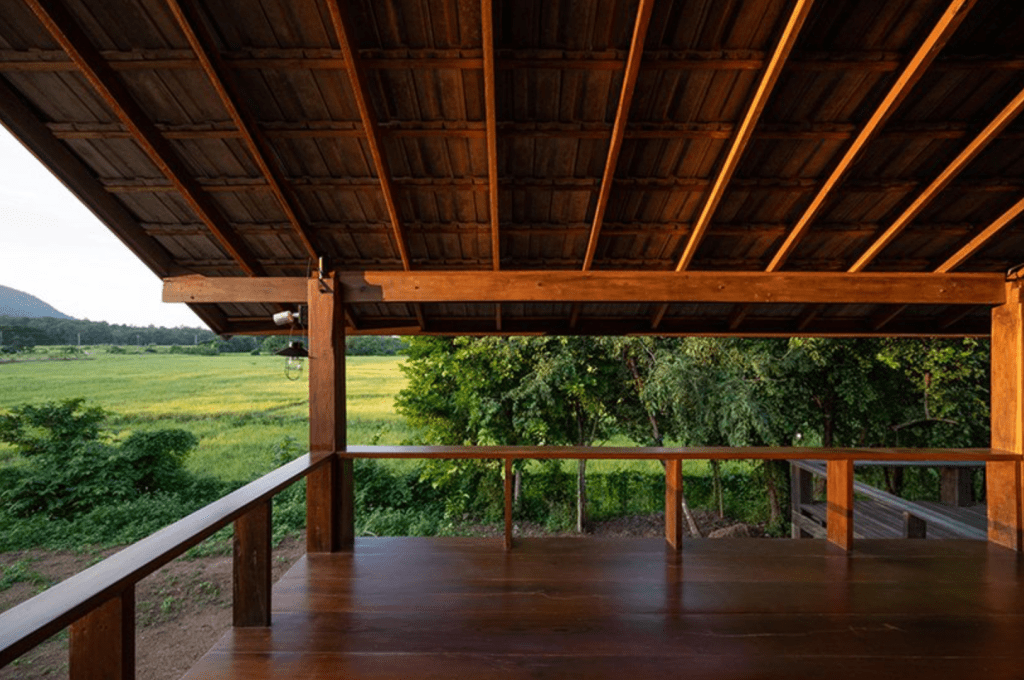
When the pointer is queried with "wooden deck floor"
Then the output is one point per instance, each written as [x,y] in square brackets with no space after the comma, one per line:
[416,608]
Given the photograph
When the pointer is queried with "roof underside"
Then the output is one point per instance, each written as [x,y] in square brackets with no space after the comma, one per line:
[243,137]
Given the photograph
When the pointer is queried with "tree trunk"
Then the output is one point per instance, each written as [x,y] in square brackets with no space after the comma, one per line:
[774,500]
[581,495]
[517,486]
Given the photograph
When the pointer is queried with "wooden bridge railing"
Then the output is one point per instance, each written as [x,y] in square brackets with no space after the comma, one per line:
[99,605]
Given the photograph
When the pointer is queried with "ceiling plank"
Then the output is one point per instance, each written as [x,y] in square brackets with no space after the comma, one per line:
[607,286]
[61,25]
[191,24]
[951,19]
[360,92]
[970,152]
[885,317]
[981,239]
[490,106]
[743,134]
[636,49]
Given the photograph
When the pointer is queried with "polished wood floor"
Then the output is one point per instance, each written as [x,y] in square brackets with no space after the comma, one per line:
[414,608]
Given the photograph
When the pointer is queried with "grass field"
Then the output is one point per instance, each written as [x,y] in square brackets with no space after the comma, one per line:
[240,406]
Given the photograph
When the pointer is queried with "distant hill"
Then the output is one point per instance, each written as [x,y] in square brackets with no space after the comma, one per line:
[16,303]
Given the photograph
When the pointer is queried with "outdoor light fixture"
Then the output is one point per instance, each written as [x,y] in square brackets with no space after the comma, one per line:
[295,352]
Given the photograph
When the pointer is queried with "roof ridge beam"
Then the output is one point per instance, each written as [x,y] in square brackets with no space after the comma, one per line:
[950,20]
[360,89]
[62,27]
[970,152]
[636,49]
[191,24]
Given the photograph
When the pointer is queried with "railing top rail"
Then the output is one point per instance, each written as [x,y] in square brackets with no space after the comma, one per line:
[29,623]
[978,455]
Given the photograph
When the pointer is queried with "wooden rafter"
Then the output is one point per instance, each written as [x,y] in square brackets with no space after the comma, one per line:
[60,24]
[970,152]
[360,92]
[490,106]
[950,20]
[187,15]
[561,286]
[636,49]
[982,238]
[746,128]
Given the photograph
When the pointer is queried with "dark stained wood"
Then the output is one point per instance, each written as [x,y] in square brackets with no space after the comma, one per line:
[24,626]
[330,522]
[491,114]
[360,92]
[636,50]
[951,19]
[674,503]
[1003,480]
[102,643]
[840,503]
[956,486]
[508,503]
[607,286]
[191,24]
[957,258]
[554,608]
[65,31]
[250,582]
[914,526]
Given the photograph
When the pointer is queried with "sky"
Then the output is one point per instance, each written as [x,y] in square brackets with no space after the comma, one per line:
[53,247]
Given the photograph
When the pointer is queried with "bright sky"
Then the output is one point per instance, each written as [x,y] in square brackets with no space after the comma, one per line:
[53,247]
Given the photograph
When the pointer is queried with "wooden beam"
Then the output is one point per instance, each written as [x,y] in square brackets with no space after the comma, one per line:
[491,114]
[361,94]
[981,239]
[330,524]
[60,24]
[674,504]
[507,488]
[746,128]
[970,152]
[608,286]
[951,19]
[636,49]
[839,490]
[1005,487]
[102,642]
[251,567]
[187,14]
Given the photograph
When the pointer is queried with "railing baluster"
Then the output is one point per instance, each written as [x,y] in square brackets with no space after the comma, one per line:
[102,643]
[251,573]
[674,503]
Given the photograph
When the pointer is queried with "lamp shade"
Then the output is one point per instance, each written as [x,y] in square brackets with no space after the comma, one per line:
[294,349]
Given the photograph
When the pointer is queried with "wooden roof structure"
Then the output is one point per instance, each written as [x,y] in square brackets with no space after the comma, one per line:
[681,139]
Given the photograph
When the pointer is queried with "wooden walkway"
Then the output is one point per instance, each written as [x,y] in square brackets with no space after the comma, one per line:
[415,608]
[872,519]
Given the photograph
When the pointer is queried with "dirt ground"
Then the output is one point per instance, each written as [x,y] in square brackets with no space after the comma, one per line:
[184,608]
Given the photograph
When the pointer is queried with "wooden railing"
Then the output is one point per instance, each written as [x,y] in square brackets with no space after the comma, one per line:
[98,603]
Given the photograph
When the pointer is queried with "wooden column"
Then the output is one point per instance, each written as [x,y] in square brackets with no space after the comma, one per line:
[330,523]
[508,504]
[251,574]
[102,643]
[801,490]
[674,503]
[1003,479]
[957,486]
[840,503]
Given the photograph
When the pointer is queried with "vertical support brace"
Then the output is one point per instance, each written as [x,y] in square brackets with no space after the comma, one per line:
[674,503]
[102,643]
[840,503]
[508,504]
[250,577]
[1003,478]
[330,521]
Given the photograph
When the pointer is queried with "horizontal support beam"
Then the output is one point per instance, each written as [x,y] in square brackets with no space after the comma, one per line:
[679,453]
[606,286]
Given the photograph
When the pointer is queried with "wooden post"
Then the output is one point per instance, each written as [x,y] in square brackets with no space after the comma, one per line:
[914,526]
[840,503]
[251,573]
[1003,479]
[674,503]
[508,504]
[330,524]
[102,643]
[801,490]
[957,486]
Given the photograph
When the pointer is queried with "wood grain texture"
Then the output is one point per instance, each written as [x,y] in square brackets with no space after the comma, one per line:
[839,489]
[507,490]
[674,504]
[102,643]
[1003,479]
[553,608]
[250,581]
